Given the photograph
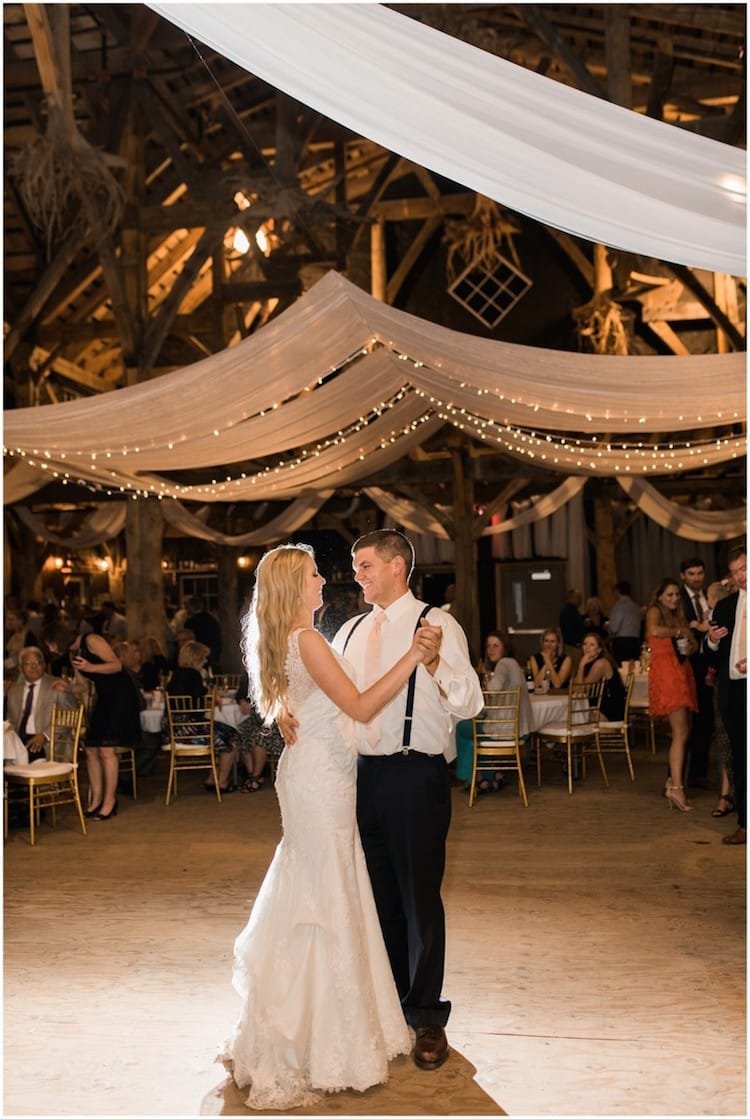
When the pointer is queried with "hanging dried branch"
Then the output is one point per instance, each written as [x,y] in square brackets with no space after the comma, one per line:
[65,184]
[602,326]
[479,238]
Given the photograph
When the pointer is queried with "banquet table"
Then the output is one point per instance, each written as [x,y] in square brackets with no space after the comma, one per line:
[228,712]
[546,709]
[639,695]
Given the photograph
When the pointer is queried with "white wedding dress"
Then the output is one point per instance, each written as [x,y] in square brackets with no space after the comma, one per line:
[320,1008]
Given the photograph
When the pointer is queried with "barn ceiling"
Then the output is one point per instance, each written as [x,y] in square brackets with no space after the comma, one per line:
[196,152]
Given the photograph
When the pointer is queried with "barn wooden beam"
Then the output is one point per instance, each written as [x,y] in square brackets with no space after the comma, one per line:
[411,256]
[617,54]
[48,281]
[55,77]
[664,331]
[576,255]
[719,317]
[531,15]
[661,79]
[411,209]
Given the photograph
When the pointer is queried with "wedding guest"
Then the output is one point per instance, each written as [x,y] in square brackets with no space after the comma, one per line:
[206,629]
[572,626]
[154,664]
[189,679]
[114,720]
[671,684]
[551,665]
[594,618]
[727,639]
[695,609]
[257,743]
[498,671]
[625,624]
[597,664]
[29,702]
[720,744]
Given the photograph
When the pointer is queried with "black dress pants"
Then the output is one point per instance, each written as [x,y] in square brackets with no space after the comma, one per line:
[734,714]
[403,813]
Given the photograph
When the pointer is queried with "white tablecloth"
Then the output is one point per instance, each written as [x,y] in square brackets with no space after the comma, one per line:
[547,709]
[13,748]
[229,713]
[639,695]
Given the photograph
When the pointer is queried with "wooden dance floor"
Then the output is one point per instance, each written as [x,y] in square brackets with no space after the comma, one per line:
[596,957]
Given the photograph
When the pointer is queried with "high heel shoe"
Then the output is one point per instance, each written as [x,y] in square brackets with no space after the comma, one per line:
[677,801]
[728,809]
[107,816]
[90,812]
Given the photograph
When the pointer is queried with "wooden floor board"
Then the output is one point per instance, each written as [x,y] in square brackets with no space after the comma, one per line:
[596,957]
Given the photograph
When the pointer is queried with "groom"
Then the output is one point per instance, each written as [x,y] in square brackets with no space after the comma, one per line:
[403,784]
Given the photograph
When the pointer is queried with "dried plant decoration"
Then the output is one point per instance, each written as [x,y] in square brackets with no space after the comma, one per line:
[601,326]
[66,185]
[479,238]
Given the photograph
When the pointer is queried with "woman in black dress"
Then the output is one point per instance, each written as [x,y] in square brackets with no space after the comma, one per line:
[597,664]
[114,721]
[551,664]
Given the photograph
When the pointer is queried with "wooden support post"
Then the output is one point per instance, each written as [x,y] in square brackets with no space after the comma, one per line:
[231,656]
[466,602]
[144,528]
[378,268]
[604,547]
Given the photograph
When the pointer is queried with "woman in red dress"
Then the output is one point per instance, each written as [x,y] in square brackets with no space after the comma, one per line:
[671,684]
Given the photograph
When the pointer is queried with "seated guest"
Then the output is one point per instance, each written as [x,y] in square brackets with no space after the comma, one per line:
[187,679]
[597,664]
[154,664]
[594,618]
[499,671]
[551,664]
[206,629]
[30,699]
[257,742]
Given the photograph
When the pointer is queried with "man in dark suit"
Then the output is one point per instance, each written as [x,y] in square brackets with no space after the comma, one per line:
[695,608]
[727,639]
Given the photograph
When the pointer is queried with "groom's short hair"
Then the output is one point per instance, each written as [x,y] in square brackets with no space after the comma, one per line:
[388,544]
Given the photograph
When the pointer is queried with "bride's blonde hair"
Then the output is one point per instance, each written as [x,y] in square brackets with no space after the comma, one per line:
[273,612]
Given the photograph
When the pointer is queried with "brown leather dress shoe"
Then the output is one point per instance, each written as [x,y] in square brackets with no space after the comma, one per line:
[736,839]
[431,1047]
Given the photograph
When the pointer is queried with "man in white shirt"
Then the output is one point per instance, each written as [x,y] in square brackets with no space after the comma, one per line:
[727,638]
[403,784]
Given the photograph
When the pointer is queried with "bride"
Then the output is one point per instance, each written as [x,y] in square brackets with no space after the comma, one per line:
[320,1009]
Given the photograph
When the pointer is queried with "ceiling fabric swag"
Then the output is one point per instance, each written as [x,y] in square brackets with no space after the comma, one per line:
[297,514]
[407,513]
[341,385]
[542,507]
[104,523]
[690,524]
[563,157]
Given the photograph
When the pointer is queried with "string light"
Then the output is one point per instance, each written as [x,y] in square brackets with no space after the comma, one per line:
[573,450]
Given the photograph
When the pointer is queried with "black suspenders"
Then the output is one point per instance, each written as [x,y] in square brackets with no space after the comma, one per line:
[411,686]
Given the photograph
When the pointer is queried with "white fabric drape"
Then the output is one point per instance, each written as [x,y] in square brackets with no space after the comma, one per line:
[407,513]
[297,514]
[690,524]
[541,507]
[104,523]
[400,379]
[564,157]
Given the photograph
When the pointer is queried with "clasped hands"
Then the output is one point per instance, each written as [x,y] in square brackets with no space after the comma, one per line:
[426,643]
